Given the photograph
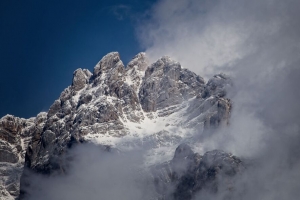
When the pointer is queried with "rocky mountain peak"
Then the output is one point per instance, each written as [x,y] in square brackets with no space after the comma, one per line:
[116,102]
[108,62]
[140,61]
[166,83]
[157,104]
[135,71]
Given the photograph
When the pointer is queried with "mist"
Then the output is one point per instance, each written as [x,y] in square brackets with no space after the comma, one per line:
[95,173]
[257,43]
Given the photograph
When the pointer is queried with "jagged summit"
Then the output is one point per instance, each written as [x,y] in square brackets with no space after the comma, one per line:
[158,105]
[140,61]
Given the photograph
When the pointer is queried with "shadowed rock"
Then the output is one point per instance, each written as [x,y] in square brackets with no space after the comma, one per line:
[189,173]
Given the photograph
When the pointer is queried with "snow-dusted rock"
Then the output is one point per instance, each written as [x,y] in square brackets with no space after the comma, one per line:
[15,134]
[80,78]
[119,102]
[166,84]
[157,104]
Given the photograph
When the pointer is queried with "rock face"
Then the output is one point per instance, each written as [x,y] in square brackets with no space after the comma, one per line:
[118,106]
[189,173]
[15,134]
[166,84]
[80,79]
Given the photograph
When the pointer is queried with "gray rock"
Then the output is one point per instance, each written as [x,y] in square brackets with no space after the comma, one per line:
[80,78]
[108,62]
[166,84]
[15,134]
[113,101]
[110,99]
[54,108]
[135,70]
[47,138]
[189,173]
[84,99]
[217,86]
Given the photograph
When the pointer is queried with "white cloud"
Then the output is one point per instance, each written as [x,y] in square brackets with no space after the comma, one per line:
[258,43]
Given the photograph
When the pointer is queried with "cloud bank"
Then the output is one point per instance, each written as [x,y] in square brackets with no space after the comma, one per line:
[95,173]
[208,36]
[258,44]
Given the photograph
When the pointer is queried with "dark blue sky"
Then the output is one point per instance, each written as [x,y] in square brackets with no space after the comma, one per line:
[43,42]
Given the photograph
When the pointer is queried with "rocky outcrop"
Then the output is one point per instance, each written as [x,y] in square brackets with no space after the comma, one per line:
[166,84]
[217,86]
[15,134]
[189,173]
[97,105]
[80,78]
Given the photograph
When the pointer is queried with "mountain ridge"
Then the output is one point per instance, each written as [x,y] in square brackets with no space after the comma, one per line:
[115,105]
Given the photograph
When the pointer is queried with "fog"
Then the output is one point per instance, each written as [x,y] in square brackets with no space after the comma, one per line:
[258,44]
[95,174]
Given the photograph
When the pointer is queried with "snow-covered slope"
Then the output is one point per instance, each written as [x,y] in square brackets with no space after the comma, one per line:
[154,106]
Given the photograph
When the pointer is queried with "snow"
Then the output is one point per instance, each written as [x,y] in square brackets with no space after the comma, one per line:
[163,133]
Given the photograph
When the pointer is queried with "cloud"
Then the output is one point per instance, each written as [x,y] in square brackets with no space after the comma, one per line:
[121,11]
[258,44]
[207,35]
[95,174]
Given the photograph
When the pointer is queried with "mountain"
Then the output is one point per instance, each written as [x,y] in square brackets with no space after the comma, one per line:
[189,173]
[155,106]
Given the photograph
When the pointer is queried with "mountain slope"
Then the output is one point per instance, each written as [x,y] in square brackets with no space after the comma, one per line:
[155,106]
[117,102]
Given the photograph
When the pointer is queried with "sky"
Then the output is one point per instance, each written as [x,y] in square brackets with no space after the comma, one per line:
[43,42]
